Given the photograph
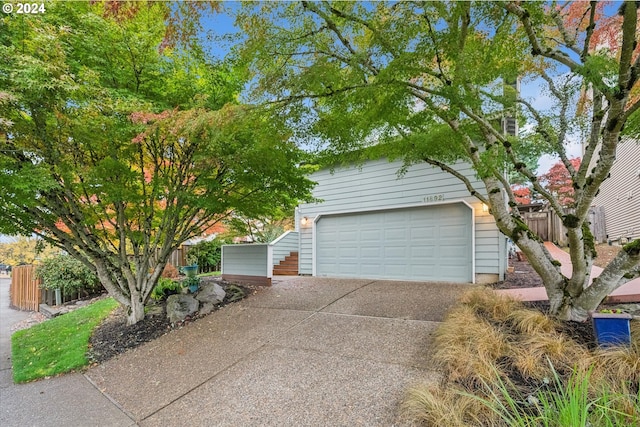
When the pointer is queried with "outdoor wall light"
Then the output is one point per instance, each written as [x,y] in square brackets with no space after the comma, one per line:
[485,208]
[304,221]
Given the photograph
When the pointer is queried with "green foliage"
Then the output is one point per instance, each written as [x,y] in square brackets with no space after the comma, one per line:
[68,274]
[117,144]
[433,82]
[164,288]
[234,293]
[562,403]
[632,248]
[261,230]
[191,281]
[207,253]
[58,345]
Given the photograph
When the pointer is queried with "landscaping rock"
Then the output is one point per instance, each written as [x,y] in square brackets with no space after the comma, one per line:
[210,293]
[206,308]
[152,310]
[181,306]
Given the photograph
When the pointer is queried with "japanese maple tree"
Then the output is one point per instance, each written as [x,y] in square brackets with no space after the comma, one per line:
[119,141]
[558,181]
[433,82]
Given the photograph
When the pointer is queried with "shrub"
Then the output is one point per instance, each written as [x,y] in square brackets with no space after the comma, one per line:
[170,272]
[68,274]
[207,254]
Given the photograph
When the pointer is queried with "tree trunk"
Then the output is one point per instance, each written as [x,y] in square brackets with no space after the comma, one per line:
[135,311]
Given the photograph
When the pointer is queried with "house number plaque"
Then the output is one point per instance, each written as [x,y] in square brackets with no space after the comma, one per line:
[434,198]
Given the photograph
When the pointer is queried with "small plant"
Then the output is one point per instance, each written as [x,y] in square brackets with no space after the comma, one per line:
[164,288]
[517,367]
[191,282]
[612,311]
[234,293]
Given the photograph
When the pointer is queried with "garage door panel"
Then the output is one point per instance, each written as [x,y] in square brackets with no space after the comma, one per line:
[426,233]
[397,233]
[371,235]
[426,243]
[452,231]
[423,252]
[371,252]
[451,252]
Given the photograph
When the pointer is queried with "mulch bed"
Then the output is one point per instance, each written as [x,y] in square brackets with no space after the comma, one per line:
[581,332]
[113,336]
[523,276]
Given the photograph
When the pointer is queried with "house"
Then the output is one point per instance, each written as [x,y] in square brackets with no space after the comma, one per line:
[373,223]
[619,195]
[423,225]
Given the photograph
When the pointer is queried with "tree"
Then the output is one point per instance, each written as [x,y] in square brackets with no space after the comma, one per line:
[522,195]
[119,144]
[260,230]
[558,181]
[432,82]
[25,250]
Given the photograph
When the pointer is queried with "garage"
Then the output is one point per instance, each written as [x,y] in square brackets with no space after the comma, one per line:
[431,243]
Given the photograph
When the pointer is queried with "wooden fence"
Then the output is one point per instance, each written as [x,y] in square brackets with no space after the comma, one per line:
[548,226]
[178,257]
[25,288]
[25,292]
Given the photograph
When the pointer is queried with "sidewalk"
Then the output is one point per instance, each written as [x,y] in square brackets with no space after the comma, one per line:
[629,292]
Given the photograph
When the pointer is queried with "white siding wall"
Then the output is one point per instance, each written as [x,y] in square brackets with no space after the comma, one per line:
[247,260]
[376,185]
[284,245]
[620,194]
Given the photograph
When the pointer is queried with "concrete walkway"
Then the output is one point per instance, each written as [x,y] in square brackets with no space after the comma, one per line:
[629,292]
[69,400]
[305,352]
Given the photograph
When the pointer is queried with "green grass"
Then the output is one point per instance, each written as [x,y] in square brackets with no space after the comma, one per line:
[58,345]
[212,273]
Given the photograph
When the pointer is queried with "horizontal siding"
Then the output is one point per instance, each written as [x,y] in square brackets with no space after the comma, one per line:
[306,251]
[247,260]
[284,245]
[377,185]
[620,194]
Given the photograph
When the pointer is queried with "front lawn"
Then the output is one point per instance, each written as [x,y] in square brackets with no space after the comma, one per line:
[211,273]
[57,345]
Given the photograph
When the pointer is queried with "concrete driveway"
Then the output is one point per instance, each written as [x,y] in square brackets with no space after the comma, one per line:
[305,352]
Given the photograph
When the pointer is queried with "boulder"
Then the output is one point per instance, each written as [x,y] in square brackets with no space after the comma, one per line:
[206,308]
[210,292]
[181,306]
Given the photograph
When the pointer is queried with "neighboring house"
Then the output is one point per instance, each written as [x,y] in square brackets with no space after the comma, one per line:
[373,223]
[620,194]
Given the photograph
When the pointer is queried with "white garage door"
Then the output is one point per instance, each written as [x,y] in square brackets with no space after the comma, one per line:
[425,243]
